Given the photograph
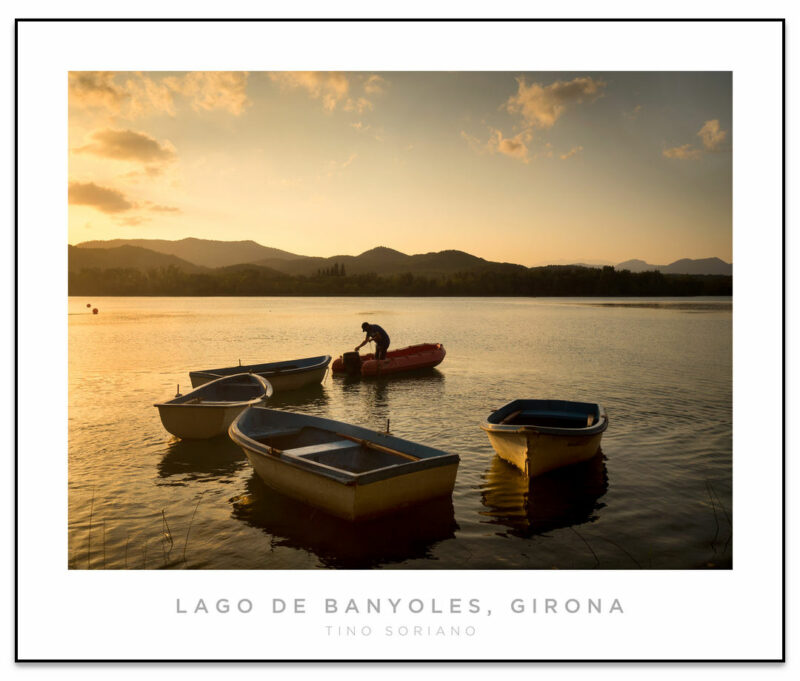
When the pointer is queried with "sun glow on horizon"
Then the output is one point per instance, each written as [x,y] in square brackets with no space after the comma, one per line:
[530,168]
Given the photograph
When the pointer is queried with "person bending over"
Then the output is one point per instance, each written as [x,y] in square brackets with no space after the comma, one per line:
[377,334]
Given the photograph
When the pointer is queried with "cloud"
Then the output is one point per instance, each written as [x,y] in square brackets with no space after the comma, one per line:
[571,152]
[128,145]
[104,199]
[474,143]
[132,221]
[147,96]
[210,90]
[711,135]
[134,94]
[541,106]
[683,152]
[633,114]
[375,133]
[515,147]
[120,93]
[375,85]
[115,204]
[95,89]
[359,105]
[336,167]
[330,87]
[156,208]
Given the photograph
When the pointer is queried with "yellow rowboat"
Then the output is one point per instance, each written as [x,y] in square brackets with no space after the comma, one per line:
[209,410]
[348,471]
[538,436]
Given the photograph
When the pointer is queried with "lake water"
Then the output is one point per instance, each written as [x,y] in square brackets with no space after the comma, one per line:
[659,496]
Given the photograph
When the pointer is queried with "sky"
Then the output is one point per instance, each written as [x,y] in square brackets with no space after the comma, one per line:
[530,168]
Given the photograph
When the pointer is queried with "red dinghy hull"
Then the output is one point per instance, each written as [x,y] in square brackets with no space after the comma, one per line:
[423,356]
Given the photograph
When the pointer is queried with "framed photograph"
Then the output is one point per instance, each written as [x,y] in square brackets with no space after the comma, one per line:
[400,340]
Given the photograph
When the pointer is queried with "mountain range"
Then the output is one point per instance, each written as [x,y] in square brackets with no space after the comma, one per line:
[202,255]
[682,266]
[203,252]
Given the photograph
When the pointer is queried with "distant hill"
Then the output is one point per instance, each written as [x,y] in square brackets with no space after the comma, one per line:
[387,262]
[683,266]
[637,266]
[125,257]
[701,266]
[204,252]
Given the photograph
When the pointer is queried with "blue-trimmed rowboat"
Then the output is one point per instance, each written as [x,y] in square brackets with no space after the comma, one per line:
[538,436]
[287,375]
[209,410]
[345,470]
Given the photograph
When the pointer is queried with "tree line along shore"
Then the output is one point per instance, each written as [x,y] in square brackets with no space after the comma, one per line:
[552,280]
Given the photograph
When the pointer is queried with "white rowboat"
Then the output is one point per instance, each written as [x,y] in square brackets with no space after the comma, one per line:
[209,410]
[288,375]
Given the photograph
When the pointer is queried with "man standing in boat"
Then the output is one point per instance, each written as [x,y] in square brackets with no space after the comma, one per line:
[377,334]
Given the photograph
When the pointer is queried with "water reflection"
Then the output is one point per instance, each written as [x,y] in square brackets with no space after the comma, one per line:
[421,376]
[188,460]
[314,397]
[375,395]
[405,535]
[561,498]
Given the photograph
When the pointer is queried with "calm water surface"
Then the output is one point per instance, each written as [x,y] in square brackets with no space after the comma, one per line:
[659,495]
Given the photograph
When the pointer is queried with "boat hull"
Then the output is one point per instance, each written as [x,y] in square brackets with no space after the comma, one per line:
[281,380]
[537,453]
[196,423]
[210,409]
[412,358]
[345,470]
[354,502]
[538,436]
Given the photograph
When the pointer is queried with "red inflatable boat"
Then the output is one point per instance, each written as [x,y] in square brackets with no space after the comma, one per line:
[422,356]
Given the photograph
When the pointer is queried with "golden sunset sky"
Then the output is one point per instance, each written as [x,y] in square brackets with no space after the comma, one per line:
[530,168]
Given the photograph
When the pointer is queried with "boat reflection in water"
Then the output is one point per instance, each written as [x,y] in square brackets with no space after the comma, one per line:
[421,376]
[312,399]
[189,460]
[529,506]
[406,535]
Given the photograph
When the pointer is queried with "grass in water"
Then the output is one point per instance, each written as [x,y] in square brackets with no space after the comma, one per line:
[89,549]
[166,537]
[186,542]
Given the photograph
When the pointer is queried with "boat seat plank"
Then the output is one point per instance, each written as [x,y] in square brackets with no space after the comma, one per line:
[316,449]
